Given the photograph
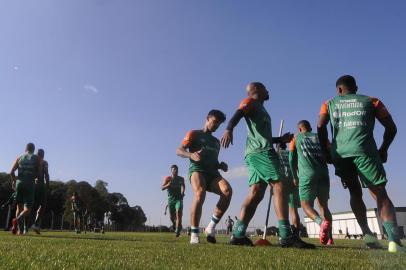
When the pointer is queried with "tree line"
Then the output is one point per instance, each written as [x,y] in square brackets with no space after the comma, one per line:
[112,209]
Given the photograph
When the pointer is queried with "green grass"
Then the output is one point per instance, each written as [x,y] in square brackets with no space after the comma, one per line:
[65,250]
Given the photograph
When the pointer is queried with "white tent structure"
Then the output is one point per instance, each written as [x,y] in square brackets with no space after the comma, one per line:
[346,226]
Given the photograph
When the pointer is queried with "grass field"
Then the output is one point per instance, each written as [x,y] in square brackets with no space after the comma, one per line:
[65,250]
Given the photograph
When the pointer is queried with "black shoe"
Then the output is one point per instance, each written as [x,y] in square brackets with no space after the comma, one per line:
[245,241]
[211,239]
[177,235]
[295,242]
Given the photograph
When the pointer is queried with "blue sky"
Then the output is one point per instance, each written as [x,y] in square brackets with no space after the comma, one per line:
[109,88]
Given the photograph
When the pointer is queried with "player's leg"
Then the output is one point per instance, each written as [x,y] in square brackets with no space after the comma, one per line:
[198,183]
[347,171]
[221,187]
[250,204]
[294,204]
[40,198]
[179,214]
[172,213]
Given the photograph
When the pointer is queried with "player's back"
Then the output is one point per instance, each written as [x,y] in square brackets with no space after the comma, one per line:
[310,156]
[352,118]
[28,167]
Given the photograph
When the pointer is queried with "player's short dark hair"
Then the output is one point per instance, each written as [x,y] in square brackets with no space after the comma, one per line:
[348,81]
[282,145]
[41,152]
[174,166]
[217,114]
[306,124]
[30,148]
[258,85]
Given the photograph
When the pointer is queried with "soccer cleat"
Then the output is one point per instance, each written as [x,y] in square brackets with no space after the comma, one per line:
[324,232]
[194,240]
[36,228]
[372,242]
[14,224]
[396,247]
[295,242]
[211,239]
[330,242]
[245,241]
[210,236]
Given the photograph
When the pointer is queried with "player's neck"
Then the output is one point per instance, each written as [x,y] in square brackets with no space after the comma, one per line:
[206,130]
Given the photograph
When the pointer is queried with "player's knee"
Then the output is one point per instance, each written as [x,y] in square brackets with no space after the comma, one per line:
[228,192]
[200,196]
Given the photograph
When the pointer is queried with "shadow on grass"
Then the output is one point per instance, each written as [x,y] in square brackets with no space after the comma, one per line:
[84,238]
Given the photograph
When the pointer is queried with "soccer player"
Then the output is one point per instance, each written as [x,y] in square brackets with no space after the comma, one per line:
[229,224]
[29,167]
[77,209]
[263,166]
[355,154]
[41,189]
[203,149]
[175,186]
[291,187]
[307,157]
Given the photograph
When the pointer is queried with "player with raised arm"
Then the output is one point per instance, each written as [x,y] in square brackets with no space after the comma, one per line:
[175,186]
[356,156]
[203,149]
[263,167]
[309,166]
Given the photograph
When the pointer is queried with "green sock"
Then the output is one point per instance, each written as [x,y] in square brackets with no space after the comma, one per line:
[318,220]
[239,229]
[284,229]
[392,231]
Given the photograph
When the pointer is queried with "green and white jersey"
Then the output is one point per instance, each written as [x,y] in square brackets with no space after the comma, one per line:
[175,188]
[259,126]
[310,157]
[352,118]
[209,145]
[285,168]
[28,167]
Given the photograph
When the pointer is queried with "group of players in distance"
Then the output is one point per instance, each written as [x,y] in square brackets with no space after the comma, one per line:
[352,151]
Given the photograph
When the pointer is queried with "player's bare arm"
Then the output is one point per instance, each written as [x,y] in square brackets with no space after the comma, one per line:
[12,174]
[184,153]
[227,138]
[285,138]
[166,184]
[183,188]
[323,135]
[46,175]
[388,136]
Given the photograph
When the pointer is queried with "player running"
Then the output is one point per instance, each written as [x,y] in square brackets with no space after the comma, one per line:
[355,154]
[314,181]
[229,224]
[263,167]
[291,186]
[41,189]
[203,149]
[29,167]
[175,186]
[77,209]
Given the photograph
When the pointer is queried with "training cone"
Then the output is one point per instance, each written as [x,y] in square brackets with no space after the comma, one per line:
[262,243]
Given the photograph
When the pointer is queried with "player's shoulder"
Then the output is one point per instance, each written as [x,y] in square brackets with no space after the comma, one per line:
[167,178]
[45,163]
[247,101]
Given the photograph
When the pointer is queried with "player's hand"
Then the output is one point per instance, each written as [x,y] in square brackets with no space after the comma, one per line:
[13,185]
[223,166]
[328,158]
[287,137]
[383,154]
[227,138]
[295,183]
[196,156]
